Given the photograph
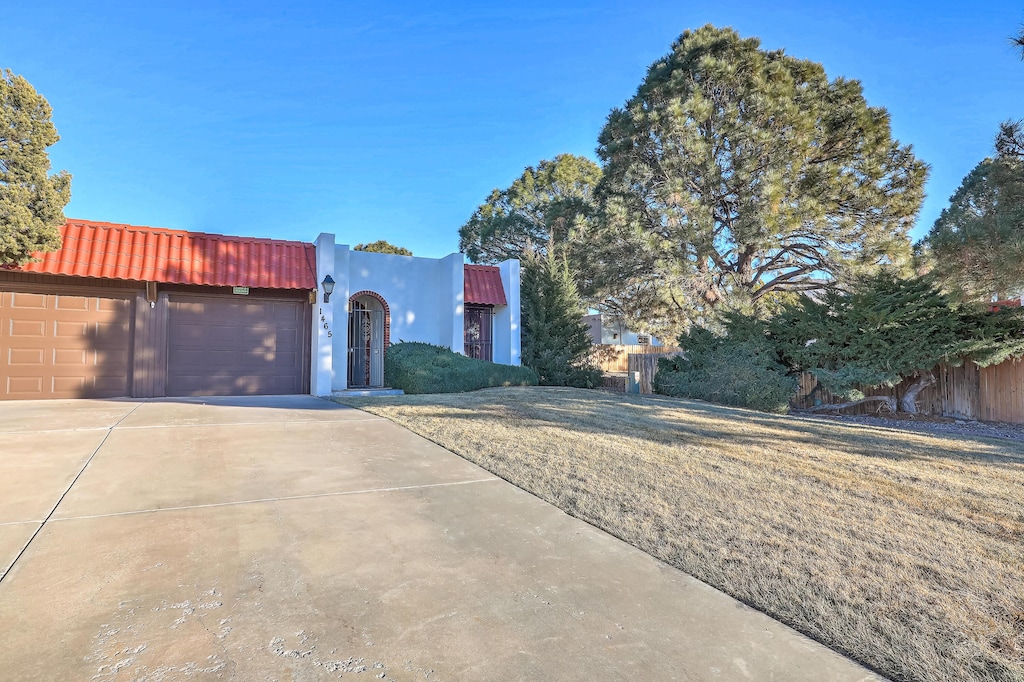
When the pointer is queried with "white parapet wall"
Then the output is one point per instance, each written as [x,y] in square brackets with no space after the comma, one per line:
[424,295]
[424,299]
[451,303]
[507,340]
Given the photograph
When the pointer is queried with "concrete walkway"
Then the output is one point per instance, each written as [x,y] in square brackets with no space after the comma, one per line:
[289,538]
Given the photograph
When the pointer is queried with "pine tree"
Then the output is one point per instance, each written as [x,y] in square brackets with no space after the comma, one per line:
[546,204]
[555,339]
[737,176]
[31,200]
[976,247]
[382,246]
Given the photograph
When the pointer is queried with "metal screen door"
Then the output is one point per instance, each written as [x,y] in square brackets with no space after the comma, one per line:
[365,347]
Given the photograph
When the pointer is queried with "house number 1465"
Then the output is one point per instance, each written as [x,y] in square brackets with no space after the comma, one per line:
[323,319]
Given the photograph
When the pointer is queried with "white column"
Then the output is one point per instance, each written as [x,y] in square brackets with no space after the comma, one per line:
[452,292]
[321,375]
[342,290]
[507,340]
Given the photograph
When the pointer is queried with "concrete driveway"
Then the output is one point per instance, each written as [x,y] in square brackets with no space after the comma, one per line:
[290,538]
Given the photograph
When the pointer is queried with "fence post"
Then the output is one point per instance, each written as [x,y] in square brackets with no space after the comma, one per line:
[632,374]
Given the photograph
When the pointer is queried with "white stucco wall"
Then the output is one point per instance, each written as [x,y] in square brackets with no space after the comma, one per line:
[425,298]
[610,331]
[507,338]
[339,300]
[420,293]
[451,303]
[321,375]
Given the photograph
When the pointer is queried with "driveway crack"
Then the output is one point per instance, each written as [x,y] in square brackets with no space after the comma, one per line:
[71,485]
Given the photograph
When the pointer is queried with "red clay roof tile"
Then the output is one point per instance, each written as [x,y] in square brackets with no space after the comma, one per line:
[151,254]
[482,284]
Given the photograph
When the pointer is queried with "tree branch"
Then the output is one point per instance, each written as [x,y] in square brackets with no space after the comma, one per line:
[886,400]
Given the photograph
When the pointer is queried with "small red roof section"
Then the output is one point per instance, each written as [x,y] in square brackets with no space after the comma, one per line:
[996,306]
[152,254]
[482,284]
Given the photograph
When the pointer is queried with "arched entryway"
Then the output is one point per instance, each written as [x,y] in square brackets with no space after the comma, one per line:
[369,331]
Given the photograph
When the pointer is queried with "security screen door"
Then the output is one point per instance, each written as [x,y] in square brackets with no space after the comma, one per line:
[365,347]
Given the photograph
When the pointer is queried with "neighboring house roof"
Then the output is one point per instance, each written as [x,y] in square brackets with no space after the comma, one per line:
[482,285]
[996,306]
[151,254]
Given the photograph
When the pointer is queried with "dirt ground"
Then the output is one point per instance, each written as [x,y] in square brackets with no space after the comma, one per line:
[925,424]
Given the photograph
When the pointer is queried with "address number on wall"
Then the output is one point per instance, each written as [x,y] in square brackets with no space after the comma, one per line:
[323,320]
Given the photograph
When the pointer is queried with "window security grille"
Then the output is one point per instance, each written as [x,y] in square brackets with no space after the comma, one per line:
[479,338]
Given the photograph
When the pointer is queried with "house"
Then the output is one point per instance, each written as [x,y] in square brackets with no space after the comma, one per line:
[132,311]
[471,309]
[996,305]
[610,331]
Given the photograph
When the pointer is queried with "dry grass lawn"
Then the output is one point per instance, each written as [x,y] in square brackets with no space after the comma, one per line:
[902,550]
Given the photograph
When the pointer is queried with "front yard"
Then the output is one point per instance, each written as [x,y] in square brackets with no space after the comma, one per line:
[902,550]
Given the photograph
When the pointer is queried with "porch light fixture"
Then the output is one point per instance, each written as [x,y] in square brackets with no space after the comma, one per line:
[328,285]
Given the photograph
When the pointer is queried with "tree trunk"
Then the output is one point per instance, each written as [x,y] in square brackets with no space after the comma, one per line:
[886,400]
[909,400]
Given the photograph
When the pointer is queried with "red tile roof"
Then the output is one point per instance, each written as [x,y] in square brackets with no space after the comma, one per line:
[996,306]
[152,254]
[482,285]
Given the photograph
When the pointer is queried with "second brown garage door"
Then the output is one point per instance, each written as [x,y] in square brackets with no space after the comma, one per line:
[236,346]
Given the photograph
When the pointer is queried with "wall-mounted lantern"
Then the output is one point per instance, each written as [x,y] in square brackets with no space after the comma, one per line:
[328,285]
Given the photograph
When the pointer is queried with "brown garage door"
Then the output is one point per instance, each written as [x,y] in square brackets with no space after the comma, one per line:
[236,346]
[62,346]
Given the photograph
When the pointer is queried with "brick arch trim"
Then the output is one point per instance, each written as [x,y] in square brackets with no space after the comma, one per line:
[387,312]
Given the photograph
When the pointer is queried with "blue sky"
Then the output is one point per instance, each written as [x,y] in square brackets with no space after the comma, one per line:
[394,120]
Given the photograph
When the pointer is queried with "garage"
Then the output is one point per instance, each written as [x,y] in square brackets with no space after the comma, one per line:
[127,311]
[228,346]
[58,345]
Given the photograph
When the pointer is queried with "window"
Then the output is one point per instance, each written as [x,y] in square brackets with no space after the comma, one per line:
[643,339]
[478,339]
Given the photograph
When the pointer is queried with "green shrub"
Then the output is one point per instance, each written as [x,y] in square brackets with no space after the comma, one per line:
[557,368]
[740,370]
[424,368]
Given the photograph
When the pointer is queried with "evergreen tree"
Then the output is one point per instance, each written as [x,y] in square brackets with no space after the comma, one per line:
[888,329]
[976,247]
[381,246]
[736,176]
[555,341]
[546,204]
[1010,141]
[738,365]
[31,200]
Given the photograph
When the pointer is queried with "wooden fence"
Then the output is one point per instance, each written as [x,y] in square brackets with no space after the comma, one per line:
[615,358]
[642,368]
[994,393]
